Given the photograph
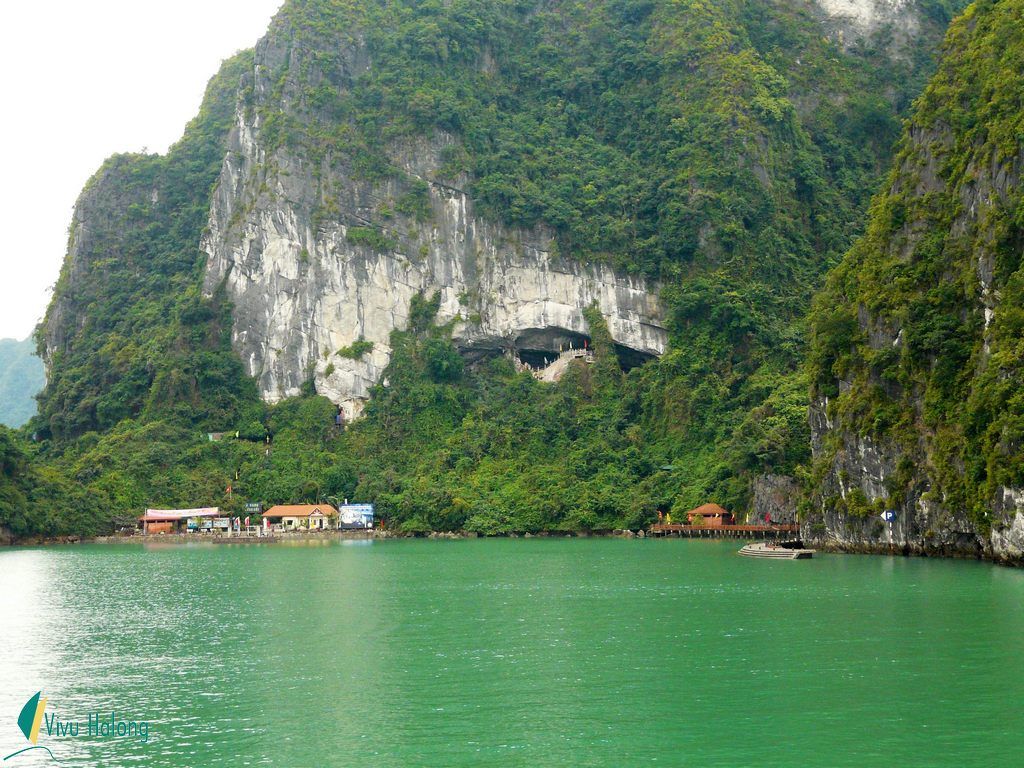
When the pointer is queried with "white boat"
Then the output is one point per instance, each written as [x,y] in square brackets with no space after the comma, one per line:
[789,550]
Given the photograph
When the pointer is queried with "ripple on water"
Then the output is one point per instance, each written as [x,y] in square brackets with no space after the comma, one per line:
[554,653]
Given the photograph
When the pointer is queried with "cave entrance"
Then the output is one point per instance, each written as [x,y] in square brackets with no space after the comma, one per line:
[630,358]
[537,358]
[540,347]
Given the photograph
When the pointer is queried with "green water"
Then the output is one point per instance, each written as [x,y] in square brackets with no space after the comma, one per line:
[512,653]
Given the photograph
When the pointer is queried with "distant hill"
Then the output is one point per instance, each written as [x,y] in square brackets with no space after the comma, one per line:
[21,377]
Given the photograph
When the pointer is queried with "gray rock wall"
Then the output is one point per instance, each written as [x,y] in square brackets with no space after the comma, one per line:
[288,243]
[862,476]
[774,495]
[868,470]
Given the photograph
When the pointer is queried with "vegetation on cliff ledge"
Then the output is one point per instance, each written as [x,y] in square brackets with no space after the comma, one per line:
[924,319]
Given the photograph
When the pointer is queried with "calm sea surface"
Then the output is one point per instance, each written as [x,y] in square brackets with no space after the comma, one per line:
[522,652]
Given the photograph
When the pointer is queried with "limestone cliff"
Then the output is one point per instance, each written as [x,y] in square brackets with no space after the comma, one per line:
[316,258]
[917,355]
[685,167]
[853,20]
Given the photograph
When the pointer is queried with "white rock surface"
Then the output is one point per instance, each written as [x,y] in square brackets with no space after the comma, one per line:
[852,20]
[302,290]
[867,14]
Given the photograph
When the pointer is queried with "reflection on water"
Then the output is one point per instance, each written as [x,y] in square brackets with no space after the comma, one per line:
[538,652]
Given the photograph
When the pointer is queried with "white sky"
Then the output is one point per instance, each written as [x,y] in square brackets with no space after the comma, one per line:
[83,80]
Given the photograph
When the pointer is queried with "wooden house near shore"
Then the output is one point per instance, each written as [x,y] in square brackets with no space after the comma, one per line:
[710,516]
[293,517]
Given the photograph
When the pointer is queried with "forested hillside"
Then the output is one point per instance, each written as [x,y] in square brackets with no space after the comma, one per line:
[917,361]
[726,151]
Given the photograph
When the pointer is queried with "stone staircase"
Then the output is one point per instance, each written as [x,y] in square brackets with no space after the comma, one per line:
[553,371]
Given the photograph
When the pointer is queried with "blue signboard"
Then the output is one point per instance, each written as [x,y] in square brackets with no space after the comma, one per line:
[889,515]
[356,515]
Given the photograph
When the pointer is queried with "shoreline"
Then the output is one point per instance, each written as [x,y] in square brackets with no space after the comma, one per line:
[866,548]
[934,553]
[376,533]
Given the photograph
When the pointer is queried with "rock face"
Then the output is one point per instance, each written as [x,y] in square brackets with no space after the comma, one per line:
[1007,538]
[861,17]
[315,258]
[775,496]
[893,25]
[918,358]
[856,490]
[865,470]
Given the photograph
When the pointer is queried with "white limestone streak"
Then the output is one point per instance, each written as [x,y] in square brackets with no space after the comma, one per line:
[300,295]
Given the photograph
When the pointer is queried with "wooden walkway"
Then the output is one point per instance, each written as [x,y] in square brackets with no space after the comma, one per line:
[723,531]
[243,539]
[553,372]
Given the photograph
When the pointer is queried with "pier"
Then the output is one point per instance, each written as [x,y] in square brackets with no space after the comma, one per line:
[723,531]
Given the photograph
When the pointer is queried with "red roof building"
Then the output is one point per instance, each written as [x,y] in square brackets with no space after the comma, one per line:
[306,516]
[173,520]
[710,515]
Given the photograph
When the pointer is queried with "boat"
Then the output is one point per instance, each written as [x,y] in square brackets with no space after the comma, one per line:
[783,550]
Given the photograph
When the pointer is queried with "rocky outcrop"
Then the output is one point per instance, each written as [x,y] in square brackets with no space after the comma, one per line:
[855,498]
[896,22]
[1007,536]
[857,493]
[774,498]
[864,16]
[917,363]
[867,480]
[315,258]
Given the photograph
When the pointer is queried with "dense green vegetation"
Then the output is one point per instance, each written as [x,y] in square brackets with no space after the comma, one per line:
[21,378]
[495,451]
[946,393]
[726,149]
[140,362]
[658,135]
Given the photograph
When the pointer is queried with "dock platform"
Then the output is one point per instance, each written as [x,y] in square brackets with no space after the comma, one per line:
[723,531]
[244,539]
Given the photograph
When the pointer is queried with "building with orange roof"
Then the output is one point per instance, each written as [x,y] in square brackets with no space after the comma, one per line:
[301,517]
[710,515]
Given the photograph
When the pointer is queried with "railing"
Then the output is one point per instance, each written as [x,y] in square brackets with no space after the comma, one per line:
[725,531]
[668,527]
[586,354]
